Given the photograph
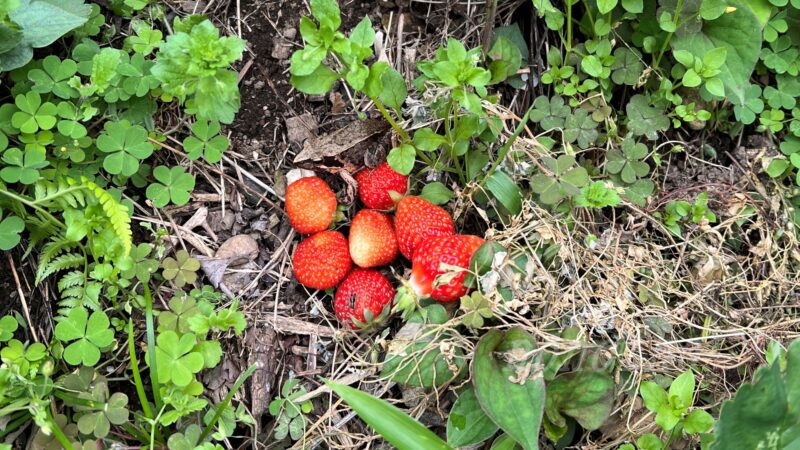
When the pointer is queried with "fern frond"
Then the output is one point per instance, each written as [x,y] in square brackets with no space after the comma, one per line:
[83,295]
[71,280]
[57,245]
[63,262]
[60,193]
[116,213]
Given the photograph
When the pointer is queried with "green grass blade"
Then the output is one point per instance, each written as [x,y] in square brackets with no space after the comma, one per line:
[397,427]
[137,376]
[221,407]
[151,347]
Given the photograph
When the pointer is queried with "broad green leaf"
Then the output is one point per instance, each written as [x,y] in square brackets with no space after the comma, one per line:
[503,385]
[437,193]
[633,6]
[605,6]
[506,191]
[681,391]
[467,424]
[319,82]
[697,421]
[739,32]
[585,395]
[427,140]
[414,360]
[393,92]
[402,158]
[399,429]
[653,395]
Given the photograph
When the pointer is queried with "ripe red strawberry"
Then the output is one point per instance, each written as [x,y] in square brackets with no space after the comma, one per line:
[372,239]
[310,205]
[321,261]
[418,220]
[375,184]
[455,250]
[363,298]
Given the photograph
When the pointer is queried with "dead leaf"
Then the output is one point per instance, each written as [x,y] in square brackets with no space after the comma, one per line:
[341,140]
[239,249]
[301,128]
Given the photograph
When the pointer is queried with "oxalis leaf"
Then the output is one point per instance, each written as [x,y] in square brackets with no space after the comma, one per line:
[739,32]
[508,384]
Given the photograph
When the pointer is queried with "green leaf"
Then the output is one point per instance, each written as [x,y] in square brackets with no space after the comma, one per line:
[697,421]
[33,115]
[580,127]
[327,13]
[633,6]
[394,92]
[53,77]
[428,140]
[437,193]
[206,141]
[506,191]
[653,395]
[467,424]
[627,67]
[681,391]
[415,359]
[8,325]
[592,66]
[10,229]
[399,429]
[402,158]
[126,145]
[306,61]
[549,113]
[598,195]
[605,6]
[175,185]
[739,32]
[585,395]
[363,35]
[643,119]
[22,167]
[503,385]
[177,362]
[41,23]
[89,333]
[319,82]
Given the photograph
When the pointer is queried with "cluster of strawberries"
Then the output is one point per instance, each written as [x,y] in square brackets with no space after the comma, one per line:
[421,231]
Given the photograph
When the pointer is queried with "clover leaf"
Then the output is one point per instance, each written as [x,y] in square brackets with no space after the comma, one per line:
[628,162]
[565,181]
[186,440]
[8,325]
[37,142]
[181,270]
[33,115]
[54,77]
[643,119]
[580,127]
[10,229]
[126,145]
[177,362]
[175,185]
[206,141]
[549,113]
[89,333]
[138,81]
[752,106]
[22,168]
[142,266]
[177,318]
[627,67]
[114,411]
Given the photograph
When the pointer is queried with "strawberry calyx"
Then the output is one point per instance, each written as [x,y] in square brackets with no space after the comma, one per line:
[371,321]
[406,301]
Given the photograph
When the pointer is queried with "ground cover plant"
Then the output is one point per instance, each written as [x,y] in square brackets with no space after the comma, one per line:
[513,224]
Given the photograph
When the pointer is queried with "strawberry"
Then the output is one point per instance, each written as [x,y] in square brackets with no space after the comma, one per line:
[372,239]
[418,220]
[455,250]
[374,186]
[321,261]
[363,298]
[310,205]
